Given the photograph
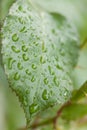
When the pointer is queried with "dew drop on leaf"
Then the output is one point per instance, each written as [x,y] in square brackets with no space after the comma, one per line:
[33,108]
[23,29]
[15,49]
[32,79]
[34,66]
[25,57]
[27,91]
[24,48]
[50,70]
[28,72]
[35,43]
[25,101]
[42,60]
[16,76]
[15,37]
[21,20]
[46,81]
[45,95]
[20,67]
[55,80]
[10,63]
[59,67]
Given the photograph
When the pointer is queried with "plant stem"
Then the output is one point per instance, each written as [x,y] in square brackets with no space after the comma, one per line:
[49,121]
[60,112]
[83,44]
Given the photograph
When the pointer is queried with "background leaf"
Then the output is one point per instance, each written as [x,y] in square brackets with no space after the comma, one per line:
[74,111]
[80,93]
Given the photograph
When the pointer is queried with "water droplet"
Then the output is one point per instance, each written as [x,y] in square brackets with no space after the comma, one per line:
[15,37]
[23,29]
[25,101]
[46,81]
[50,70]
[27,91]
[43,47]
[10,63]
[34,66]
[28,72]
[59,67]
[16,76]
[25,58]
[55,79]
[21,21]
[15,49]
[45,95]
[24,48]
[20,67]
[35,43]
[42,60]
[33,108]
[62,52]
[32,79]
[65,94]
[32,35]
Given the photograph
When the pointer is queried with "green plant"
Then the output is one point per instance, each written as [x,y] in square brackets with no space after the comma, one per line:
[39,51]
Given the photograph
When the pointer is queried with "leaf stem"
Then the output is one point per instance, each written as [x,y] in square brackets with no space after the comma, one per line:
[49,121]
[83,44]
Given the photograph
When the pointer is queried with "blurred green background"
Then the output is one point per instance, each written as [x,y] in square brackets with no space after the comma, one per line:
[11,113]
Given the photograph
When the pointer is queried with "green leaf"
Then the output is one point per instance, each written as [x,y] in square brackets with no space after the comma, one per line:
[80,93]
[74,111]
[39,51]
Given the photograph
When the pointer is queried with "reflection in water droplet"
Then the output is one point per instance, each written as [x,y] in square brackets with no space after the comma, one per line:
[10,63]
[45,95]
[32,79]
[65,94]
[34,66]
[20,67]
[15,49]
[42,60]
[25,57]
[55,80]
[24,48]
[15,37]
[16,76]
[46,81]
[28,72]
[33,108]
